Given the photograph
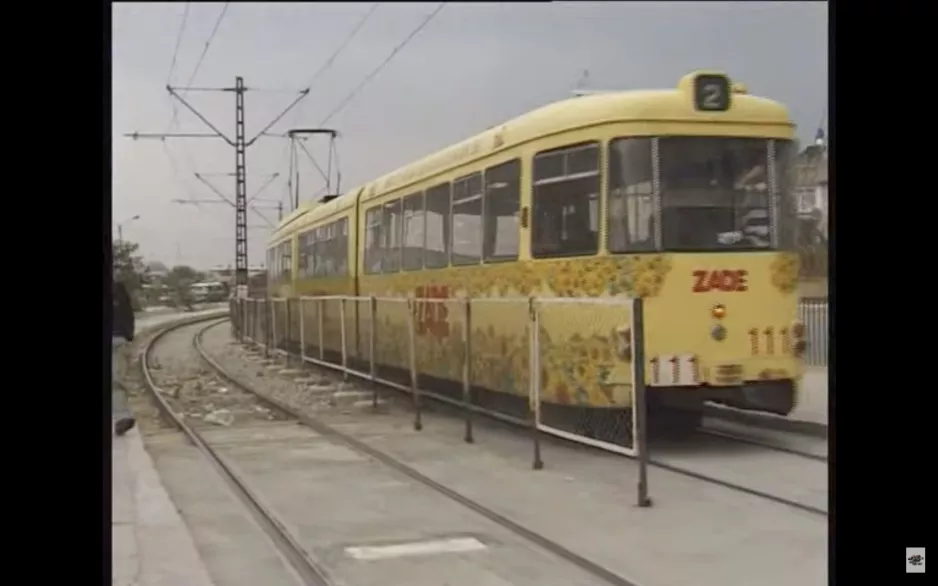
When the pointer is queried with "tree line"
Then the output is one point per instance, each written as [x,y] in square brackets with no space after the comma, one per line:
[147,288]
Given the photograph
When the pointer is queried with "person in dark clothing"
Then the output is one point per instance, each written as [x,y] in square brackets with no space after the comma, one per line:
[122,327]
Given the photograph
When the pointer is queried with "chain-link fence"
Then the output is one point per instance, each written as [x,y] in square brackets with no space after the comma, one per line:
[813,313]
[558,366]
[476,354]
[584,384]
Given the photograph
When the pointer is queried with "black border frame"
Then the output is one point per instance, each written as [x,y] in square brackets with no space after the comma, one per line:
[885,419]
[882,465]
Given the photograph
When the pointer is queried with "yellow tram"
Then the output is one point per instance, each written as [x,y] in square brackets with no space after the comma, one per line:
[679,196]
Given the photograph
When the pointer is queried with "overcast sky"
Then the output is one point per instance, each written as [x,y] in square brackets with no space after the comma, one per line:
[471,67]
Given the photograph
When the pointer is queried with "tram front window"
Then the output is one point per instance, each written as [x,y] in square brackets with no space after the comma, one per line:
[713,191]
[714,194]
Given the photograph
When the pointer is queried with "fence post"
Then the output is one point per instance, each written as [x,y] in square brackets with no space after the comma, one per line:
[302,332]
[372,370]
[639,404]
[319,316]
[342,338]
[242,318]
[274,329]
[255,320]
[267,327]
[287,330]
[466,369]
[233,318]
[412,334]
[534,398]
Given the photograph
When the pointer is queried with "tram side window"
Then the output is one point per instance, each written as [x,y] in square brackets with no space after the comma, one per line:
[631,196]
[501,207]
[341,247]
[336,248]
[325,254]
[566,202]
[301,256]
[373,241]
[391,232]
[319,249]
[332,264]
[467,220]
[438,227]
[306,246]
[414,232]
[286,258]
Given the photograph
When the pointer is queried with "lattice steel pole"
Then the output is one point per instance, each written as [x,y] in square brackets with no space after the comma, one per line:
[240,144]
[241,200]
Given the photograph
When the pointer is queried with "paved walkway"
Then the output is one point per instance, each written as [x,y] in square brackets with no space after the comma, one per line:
[150,543]
[813,403]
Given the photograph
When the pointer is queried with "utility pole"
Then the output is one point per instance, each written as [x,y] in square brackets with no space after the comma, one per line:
[240,144]
[241,198]
[120,228]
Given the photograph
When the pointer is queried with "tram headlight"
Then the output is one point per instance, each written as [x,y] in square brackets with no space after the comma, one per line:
[718,311]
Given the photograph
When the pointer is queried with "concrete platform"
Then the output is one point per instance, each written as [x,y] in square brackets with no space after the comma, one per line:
[150,543]
[813,404]
[695,534]
[367,524]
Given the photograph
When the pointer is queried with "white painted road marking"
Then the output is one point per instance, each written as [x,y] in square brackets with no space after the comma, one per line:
[383,552]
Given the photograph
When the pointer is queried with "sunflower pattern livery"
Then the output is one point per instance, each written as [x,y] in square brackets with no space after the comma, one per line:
[636,275]
[576,358]
[785,269]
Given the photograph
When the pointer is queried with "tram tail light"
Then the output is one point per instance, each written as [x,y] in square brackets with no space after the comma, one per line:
[797,329]
[800,343]
[718,311]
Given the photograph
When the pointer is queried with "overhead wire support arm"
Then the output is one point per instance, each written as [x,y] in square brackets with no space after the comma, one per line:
[197,202]
[292,105]
[198,114]
[163,136]
[272,135]
[213,188]
[266,184]
[204,89]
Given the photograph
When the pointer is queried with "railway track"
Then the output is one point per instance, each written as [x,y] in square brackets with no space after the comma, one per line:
[736,457]
[761,473]
[310,570]
[747,438]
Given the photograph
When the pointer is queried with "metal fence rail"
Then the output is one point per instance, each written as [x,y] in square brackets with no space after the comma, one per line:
[813,314]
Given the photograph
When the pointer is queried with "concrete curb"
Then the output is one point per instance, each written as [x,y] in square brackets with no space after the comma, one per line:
[767,420]
[166,553]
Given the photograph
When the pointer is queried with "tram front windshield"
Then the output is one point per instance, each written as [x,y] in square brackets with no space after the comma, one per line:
[714,194]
